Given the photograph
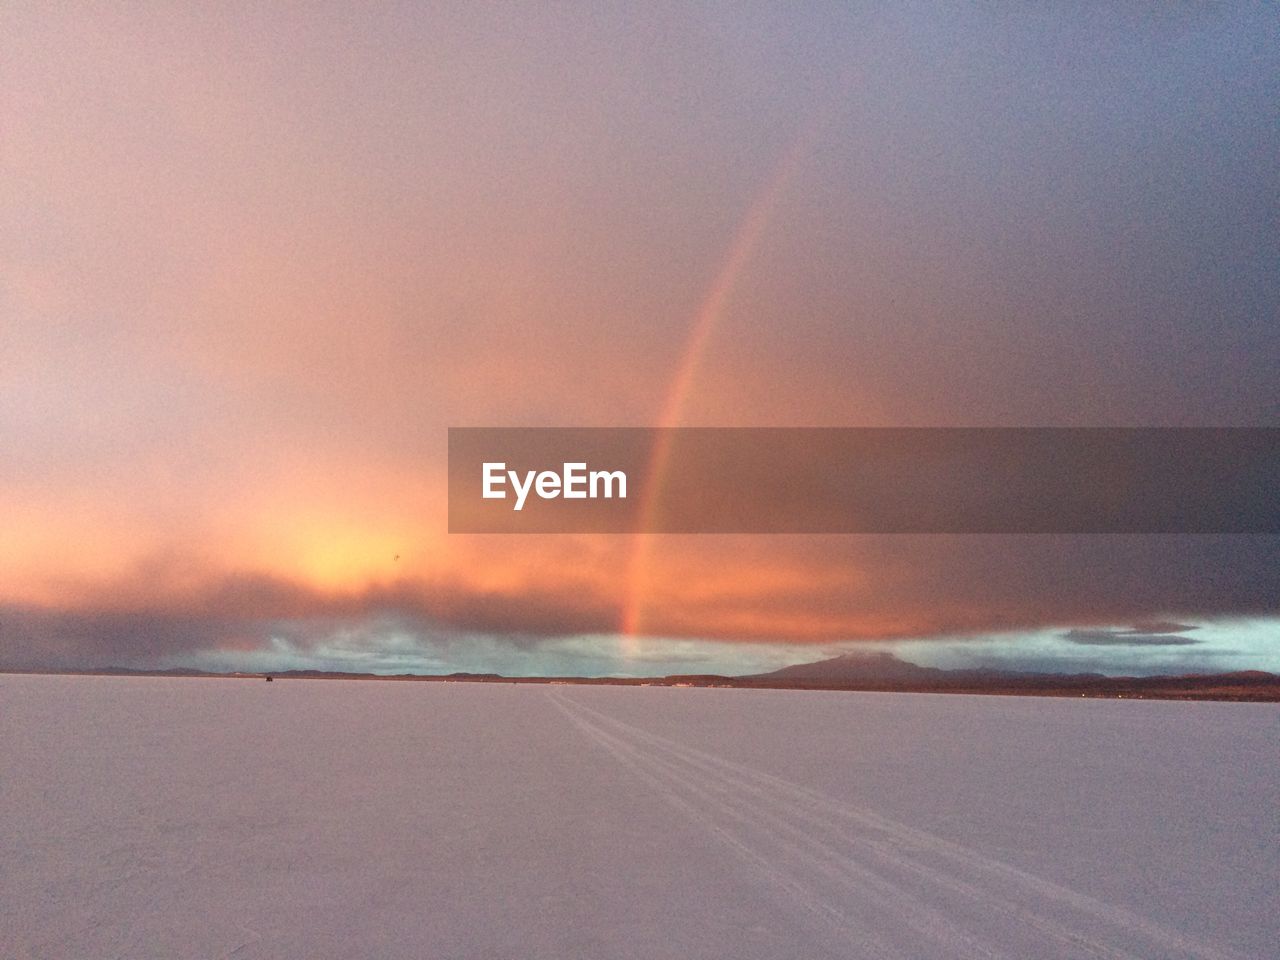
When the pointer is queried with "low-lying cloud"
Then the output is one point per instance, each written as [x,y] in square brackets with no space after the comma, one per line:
[801,591]
[1130,638]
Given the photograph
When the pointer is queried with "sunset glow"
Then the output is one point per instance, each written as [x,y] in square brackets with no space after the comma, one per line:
[248,284]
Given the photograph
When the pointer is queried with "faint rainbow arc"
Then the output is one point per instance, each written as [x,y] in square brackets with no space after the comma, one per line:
[747,237]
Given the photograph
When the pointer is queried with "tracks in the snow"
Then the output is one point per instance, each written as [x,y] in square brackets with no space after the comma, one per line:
[877,887]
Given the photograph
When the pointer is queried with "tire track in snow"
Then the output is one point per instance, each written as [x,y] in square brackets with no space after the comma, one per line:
[836,919]
[885,856]
[865,888]
[899,837]
[863,852]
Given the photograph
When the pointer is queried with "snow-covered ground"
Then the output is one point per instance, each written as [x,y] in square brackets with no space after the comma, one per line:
[347,819]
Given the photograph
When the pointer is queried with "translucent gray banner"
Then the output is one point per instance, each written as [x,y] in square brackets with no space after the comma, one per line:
[864,480]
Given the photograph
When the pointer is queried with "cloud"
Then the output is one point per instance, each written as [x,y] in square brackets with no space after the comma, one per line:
[244,613]
[1163,626]
[1150,634]
[733,589]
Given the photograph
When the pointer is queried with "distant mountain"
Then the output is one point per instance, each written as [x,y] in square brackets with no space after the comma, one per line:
[875,666]
[881,667]
[884,671]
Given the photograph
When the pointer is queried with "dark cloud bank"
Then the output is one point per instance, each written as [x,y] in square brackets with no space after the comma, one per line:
[962,585]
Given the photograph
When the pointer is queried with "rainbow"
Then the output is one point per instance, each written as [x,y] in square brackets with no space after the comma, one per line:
[752,227]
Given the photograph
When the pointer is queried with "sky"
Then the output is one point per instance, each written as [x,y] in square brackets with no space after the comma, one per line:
[256,259]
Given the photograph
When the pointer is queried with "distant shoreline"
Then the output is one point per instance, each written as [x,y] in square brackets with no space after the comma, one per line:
[1243,687]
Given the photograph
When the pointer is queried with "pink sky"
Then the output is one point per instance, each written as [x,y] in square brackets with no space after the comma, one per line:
[254,262]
